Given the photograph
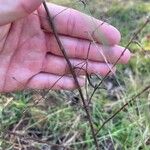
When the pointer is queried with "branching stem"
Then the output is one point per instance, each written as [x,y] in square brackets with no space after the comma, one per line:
[52,25]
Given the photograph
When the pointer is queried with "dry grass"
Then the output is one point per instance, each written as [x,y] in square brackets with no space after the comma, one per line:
[59,118]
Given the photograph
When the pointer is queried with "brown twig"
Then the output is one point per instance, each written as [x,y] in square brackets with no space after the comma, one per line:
[131,100]
[131,40]
[52,25]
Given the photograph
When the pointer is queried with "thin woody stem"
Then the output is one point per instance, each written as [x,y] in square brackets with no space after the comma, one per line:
[131,40]
[52,25]
[131,100]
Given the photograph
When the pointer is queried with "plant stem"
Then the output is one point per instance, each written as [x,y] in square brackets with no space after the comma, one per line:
[52,25]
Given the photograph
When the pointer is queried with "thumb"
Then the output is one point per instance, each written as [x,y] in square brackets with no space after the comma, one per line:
[13,10]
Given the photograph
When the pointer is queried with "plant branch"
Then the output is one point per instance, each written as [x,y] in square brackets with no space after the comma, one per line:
[131,40]
[132,99]
[52,25]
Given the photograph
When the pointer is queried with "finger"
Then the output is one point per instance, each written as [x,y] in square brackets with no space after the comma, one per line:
[50,81]
[81,49]
[58,65]
[74,23]
[12,10]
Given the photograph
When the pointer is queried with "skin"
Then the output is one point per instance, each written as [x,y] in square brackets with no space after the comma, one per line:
[30,57]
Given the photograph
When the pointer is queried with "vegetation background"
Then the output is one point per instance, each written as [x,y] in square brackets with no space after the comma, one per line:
[58,118]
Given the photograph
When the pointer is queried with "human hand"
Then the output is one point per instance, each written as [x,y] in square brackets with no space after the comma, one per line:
[30,57]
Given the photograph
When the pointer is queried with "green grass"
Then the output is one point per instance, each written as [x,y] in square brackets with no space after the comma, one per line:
[53,119]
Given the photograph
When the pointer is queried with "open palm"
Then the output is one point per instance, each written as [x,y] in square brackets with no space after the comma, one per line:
[30,56]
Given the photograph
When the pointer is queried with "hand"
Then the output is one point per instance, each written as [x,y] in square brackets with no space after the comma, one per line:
[30,56]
